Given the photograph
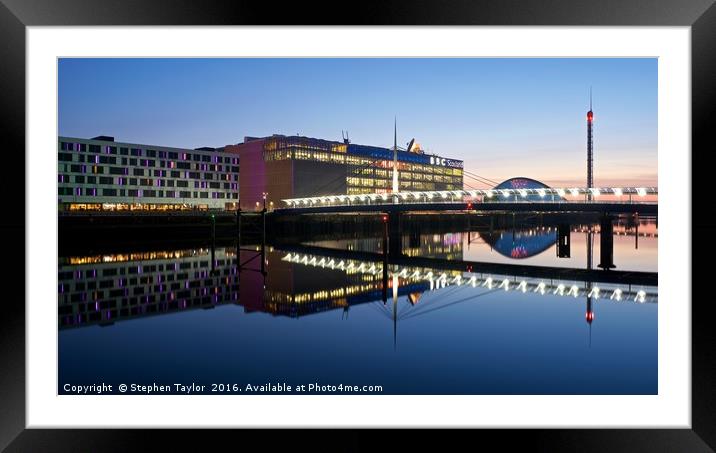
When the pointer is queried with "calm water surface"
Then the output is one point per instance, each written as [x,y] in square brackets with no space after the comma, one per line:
[328,314]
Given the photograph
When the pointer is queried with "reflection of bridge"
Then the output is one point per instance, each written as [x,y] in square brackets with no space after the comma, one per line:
[440,278]
[484,200]
[502,269]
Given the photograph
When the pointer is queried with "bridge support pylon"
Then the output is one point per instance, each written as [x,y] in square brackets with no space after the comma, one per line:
[563,240]
[395,240]
[606,242]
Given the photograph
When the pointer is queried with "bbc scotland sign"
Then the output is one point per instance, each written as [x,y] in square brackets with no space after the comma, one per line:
[442,162]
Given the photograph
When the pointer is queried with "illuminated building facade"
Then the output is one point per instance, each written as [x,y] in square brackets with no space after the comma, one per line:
[294,166]
[101,174]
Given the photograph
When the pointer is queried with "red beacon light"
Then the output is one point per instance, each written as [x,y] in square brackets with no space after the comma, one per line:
[385,218]
[590,116]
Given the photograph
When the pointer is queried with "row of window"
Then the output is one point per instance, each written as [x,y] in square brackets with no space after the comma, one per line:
[145,182]
[407,186]
[139,152]
[142,193]
[100,170]
[357,162]
[66,157]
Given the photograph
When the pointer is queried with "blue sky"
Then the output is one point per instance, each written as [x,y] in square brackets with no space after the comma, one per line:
[503,117]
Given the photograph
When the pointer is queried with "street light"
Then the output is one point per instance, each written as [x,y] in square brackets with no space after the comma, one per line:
[264,197]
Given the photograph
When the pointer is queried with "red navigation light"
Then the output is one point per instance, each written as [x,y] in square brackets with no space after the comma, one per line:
[590,316]
[469,205]
[590,115]
[385,218]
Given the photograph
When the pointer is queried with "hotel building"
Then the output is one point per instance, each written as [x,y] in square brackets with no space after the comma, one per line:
[295,166]
[102,174]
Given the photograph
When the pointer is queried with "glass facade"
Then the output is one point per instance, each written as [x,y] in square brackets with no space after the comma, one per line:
[369,169]
[110,176]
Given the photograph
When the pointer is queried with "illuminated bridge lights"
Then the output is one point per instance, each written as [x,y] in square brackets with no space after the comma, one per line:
[459,196]
[536,286]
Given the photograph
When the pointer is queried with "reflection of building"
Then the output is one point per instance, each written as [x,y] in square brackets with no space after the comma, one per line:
[101,174]
[103,289]
[297,289]
[524,183]
[521,243]
[447,246]
[295,166]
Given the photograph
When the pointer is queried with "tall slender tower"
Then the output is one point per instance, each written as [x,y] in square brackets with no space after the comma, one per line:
[395,158]
[590,150]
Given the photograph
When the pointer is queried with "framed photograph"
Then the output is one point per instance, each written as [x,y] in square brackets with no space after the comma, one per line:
[442,218]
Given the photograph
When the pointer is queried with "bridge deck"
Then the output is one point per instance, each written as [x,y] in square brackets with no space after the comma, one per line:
[566,207]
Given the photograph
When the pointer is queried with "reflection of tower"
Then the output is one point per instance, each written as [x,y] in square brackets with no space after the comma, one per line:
[590,119]
[395,310]
[590,312]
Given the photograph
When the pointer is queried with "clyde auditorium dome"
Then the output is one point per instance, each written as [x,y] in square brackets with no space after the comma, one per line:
[525,183]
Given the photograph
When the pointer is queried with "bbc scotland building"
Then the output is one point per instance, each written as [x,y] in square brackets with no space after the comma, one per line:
[283,167]
[101,174]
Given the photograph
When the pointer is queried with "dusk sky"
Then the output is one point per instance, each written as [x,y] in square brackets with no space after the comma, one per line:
[503,117]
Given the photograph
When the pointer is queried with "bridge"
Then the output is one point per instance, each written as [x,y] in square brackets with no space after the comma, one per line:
[621,200]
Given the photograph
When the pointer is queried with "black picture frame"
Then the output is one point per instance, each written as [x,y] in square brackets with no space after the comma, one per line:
[16,15]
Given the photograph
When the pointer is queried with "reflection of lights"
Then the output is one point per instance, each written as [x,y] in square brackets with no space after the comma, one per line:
[574,192]
[505,284]
[561,192]
[413,274]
